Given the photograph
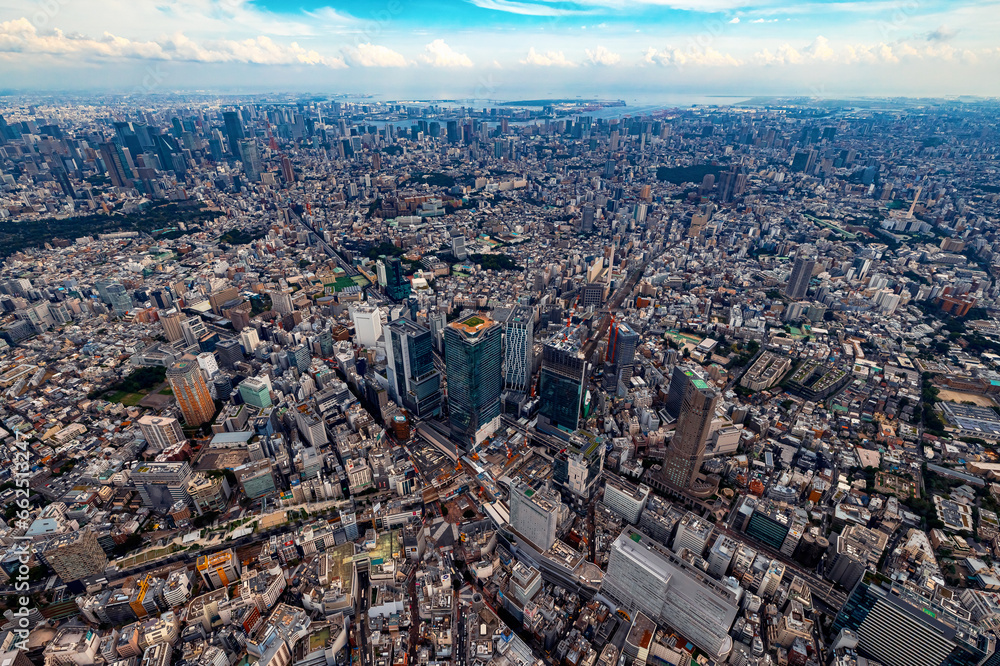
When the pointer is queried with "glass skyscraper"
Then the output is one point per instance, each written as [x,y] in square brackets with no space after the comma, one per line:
[564,371]
[414,383]
[473,358]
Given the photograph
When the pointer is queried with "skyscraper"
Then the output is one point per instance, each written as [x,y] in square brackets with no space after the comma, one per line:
[121,301]
[414,383]
[234,131]
[75,555]
[622,343]
[687,449]
[898,626]
[251,160]
[518,333]
[560,387]
[643,575]
[473,359]
[191,392]
[798,281]
[117,166]
[161,431]
[397,285]
[678,384]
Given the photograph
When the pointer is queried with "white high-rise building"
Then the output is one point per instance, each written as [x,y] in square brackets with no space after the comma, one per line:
[534,514]
[367,324]
[249,340]
[642,575]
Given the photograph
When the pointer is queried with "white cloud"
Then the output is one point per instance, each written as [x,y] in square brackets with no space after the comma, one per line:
[439,54]
[602,56]
[547,59]
[820,49]
[735,20]
[785,55]
[707,57]
[21,36]
[373,55]
[526,8]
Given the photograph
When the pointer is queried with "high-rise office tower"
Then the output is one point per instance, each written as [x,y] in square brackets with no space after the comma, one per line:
[622,343]
[286,171]
[798,281]
[397,285]
[561,384]
[234,131]
[121,300]
[534,514]
[75,555]
[228,352]
[519,341]
[473,359]
[162,484]
[367,324]
[644,576]
[161,431]
[251,160]
[255,392]
[172,326]
[116,164]
[678,384]
[191,392]
[899,626]
[687,449]
[414,383]
[249,340]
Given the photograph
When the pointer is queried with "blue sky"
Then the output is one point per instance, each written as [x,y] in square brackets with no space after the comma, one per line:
[502,49]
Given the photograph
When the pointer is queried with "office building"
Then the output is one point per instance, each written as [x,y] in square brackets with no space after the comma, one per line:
[219,569]
[898,626]
[367,324]
[256,478]
[519,341]
[414,383]
[687,448]
[620,357]
[162,484]
[577,466]
[852,552]
[75,555]
[625,498]
[473,359]
[693,533]
[534,514]
[161,432]
[678,384]
[562,380]
[191,392]
[234,131]
[720,555]
[116,165]
[798,281]
[172,326]
[644,576]
[255,392]
[249,340]
[121,300]
[397,285]
[228,352]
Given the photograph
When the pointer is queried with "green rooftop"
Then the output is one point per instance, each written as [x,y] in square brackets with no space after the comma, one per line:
[699,384]
[636,537]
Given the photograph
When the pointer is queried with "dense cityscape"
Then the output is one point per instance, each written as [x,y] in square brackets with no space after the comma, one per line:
[327,381]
